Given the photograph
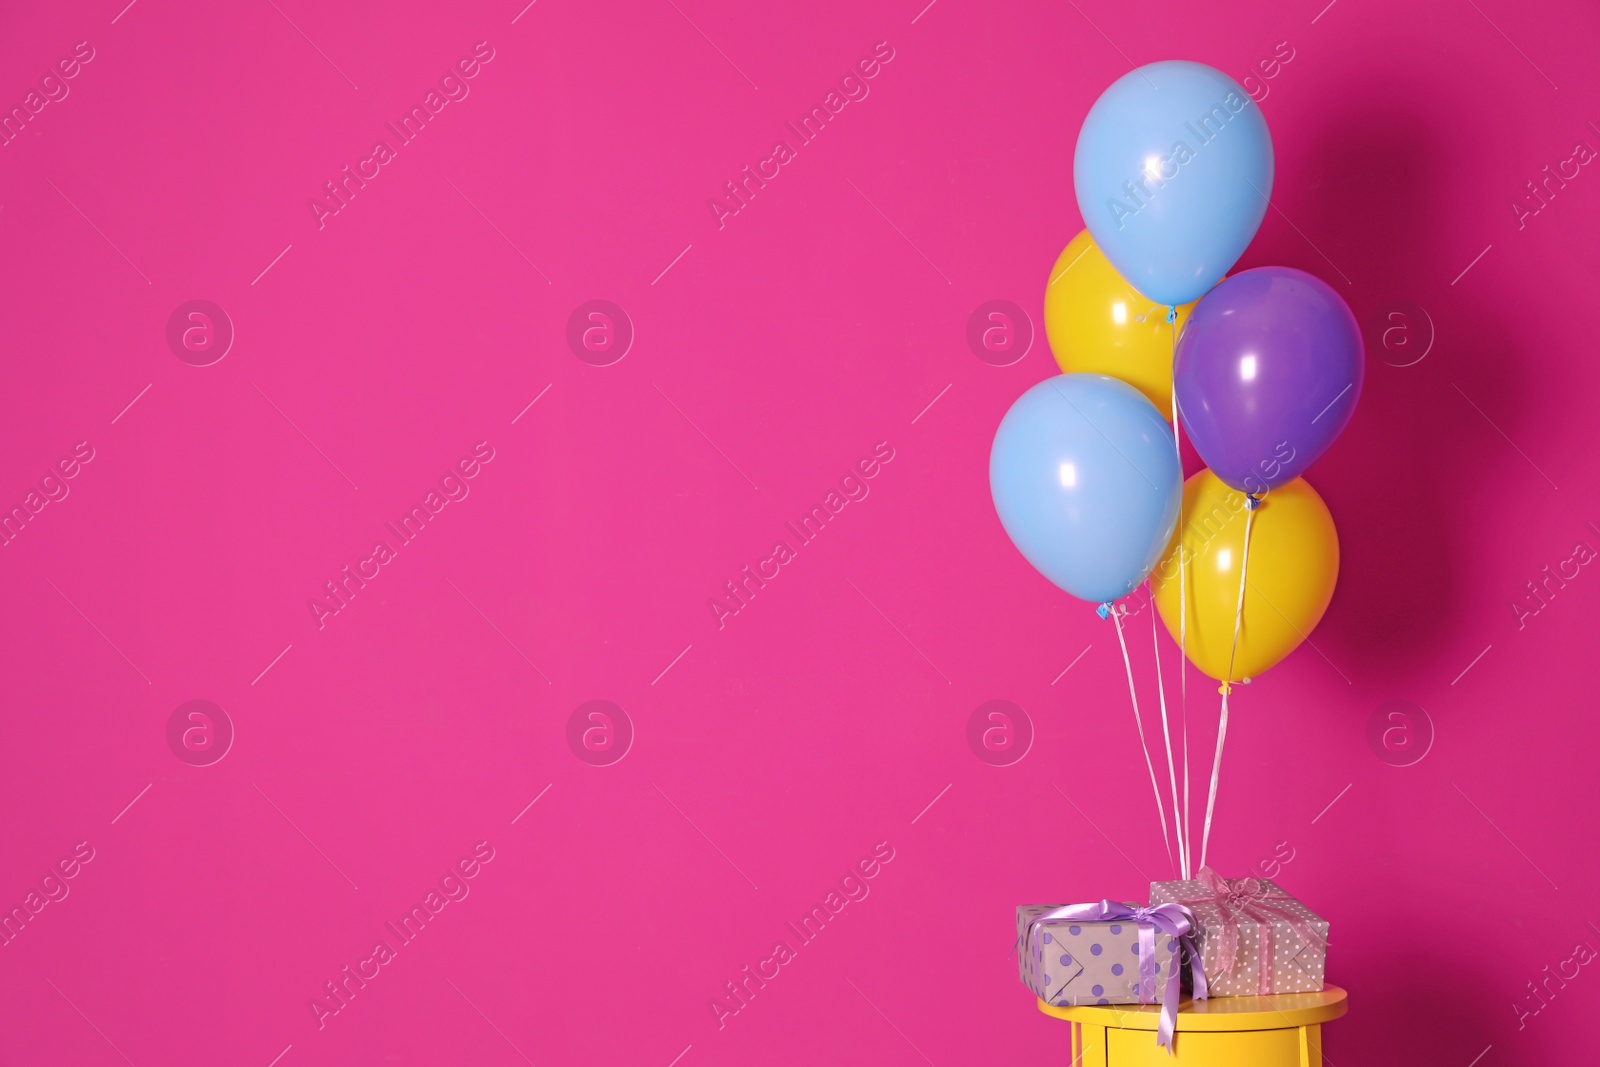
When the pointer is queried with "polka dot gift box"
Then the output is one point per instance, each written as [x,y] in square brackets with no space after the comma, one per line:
[1254,939]
[1081,961]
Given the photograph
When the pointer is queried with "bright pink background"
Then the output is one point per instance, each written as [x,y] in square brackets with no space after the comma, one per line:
[795,338]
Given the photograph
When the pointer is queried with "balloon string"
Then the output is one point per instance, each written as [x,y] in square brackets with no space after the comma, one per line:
[1216,769]
[1187,849]
[1139,723]
[1227,684]
[1166,735]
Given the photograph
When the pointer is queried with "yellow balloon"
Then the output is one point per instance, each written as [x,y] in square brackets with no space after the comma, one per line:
[1099,323]
[1294,563]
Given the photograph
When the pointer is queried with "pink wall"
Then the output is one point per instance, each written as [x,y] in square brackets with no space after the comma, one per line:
[770,354]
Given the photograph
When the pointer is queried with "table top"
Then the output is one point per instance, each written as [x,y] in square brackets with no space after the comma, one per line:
[1218,1013]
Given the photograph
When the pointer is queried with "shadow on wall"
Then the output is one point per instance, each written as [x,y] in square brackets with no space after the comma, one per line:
[1396,480]
[1420,980]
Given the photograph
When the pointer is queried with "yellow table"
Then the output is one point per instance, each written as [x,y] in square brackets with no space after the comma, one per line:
[1279,1031]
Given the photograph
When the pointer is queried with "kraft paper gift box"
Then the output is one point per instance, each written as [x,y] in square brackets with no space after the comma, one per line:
[1091,961]
[1254,939]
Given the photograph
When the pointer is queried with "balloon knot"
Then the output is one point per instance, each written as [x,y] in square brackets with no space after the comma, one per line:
[1252,501]
[1172,312]
[1104,610]
[1224,688]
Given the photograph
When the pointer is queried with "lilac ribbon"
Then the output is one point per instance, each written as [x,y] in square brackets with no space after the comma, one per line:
[1173,920]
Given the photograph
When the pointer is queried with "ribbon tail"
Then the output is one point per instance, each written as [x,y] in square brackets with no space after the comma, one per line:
[1168,1026]
[1197,971]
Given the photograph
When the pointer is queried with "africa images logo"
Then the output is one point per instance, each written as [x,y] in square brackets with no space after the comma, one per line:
[53,89]
[853,88]
[453,88]
[852,487]
[1159,170]
[453,887]
[338,592]
[853,887]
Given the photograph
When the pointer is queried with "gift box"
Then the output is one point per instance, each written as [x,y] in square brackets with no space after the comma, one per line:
[1066,958]
[1253,938]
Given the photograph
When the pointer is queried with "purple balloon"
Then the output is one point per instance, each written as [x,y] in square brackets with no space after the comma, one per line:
[1267,372]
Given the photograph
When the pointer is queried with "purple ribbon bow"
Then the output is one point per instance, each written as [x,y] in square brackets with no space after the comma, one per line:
[1173,920]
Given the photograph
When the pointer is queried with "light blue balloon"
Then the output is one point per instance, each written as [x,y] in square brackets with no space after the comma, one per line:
[1173,171]
[1086,483]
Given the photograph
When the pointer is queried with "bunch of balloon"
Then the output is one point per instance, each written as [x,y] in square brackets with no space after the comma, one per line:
[1173,173]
